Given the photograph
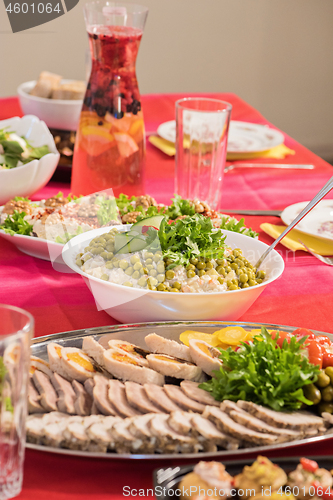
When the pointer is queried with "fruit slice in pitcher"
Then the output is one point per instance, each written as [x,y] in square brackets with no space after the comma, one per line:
[96,140]
[126,145]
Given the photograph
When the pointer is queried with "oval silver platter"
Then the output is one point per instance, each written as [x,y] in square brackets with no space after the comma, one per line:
[136,333]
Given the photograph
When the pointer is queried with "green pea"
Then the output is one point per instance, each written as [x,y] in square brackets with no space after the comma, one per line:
[110,247]
[252,282]
[151,281]
[258,280]
[142,281]
[149,267]
[201,272]
[127,283]
[143,271]
[234,266]
[153,272]
[157,257]
[137,266]
[104,255]
[97,250]
[220,262]
[170,275]
[190,273]
[194,261]
[135,259]
[115,262]
[243,278]
[233,287]
[245,285]
[237,252]
[239,262]
[261,275]
[87,257]
[160,277]
[123,264]
[231,258]
[108,236]
[105,277]
[129,271]
[161,287]
[175,290]
[149,261]
[201,265]
[220,280]
[160,268]
[87,249]
[209,265]
[158,254]
[109,265]
[177,285]
[79,262]
[149,255]
[190,267]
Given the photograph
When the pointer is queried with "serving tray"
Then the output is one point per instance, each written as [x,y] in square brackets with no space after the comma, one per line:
[136,334]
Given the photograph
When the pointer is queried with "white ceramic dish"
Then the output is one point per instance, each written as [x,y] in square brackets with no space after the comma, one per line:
[318,223]
[57,113]
[29,178]
[243,137]
[132,304]
[136,333]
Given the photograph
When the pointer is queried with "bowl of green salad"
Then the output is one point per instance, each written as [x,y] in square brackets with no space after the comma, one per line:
[28,156]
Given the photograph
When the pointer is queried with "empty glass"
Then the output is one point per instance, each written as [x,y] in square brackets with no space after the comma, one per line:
[202,126]
[16,329]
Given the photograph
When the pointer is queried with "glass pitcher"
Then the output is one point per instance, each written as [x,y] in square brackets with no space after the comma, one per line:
[110,141]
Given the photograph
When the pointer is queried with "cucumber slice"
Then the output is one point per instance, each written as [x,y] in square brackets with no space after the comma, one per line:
[154,221]
[125,243]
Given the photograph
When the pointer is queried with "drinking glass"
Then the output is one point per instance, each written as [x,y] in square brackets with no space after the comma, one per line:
[202,126]
[16,330]
[110,141]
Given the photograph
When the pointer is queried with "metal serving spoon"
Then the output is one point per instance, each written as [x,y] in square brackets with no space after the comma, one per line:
[323,192]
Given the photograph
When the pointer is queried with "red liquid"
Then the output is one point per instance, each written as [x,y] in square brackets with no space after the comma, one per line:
[110,146]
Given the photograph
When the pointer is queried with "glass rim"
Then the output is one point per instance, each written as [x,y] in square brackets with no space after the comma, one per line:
[135,8]
[30,323]
[179,104]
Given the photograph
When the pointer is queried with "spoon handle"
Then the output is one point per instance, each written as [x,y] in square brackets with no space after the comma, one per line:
[323,192]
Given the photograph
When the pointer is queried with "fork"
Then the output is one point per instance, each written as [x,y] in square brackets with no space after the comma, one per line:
[325,260]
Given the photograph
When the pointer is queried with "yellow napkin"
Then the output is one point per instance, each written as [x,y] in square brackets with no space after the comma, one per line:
[277,153]
[290,241]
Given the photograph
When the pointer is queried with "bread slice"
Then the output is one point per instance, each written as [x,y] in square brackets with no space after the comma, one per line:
[73,90]
[45,84]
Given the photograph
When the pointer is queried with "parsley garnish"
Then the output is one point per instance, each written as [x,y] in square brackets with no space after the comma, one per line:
[264,373]
[16,224]
[190,237]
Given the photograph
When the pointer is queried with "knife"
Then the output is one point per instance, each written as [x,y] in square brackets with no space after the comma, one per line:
[275,213]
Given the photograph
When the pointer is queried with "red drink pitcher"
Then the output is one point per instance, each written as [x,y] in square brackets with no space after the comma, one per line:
[110,141]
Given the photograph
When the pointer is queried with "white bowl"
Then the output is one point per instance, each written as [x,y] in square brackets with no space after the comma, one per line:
[129,305]
[29,178]
[56,113]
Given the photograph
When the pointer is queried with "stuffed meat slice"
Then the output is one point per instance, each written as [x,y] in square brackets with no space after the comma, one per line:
[157,344]
[205,356]
[76,364]
[131,350]
[172,367]
[126,367]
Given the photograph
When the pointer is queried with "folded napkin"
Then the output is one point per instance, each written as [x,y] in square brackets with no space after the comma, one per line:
[317,245]
[277,153]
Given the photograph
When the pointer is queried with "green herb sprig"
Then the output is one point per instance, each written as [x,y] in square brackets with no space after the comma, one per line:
[264,373]
[16,224]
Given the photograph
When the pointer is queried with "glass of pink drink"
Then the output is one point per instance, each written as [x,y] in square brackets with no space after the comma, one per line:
[110,142]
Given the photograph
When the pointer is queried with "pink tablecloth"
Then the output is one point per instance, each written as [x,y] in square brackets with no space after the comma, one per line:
[62,302]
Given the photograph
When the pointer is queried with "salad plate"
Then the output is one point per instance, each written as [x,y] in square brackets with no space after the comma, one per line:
[136,333]
[318,223]
[243,137]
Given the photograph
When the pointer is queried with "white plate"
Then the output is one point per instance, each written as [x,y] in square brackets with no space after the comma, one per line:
[243,137]
[318,223]
[136,333]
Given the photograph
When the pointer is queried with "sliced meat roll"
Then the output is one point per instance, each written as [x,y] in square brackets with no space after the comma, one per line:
[33,399]
[117,395]
[192,390]
[125,367]
[76,364]
[94,349]
[158,344]
[177,395]
[157,395]
[205,356]
[55,356]
[66,394]
[83,401]
[210,432]
[137,397]
[48,396]
[101,396]
[172,367]
[39,364]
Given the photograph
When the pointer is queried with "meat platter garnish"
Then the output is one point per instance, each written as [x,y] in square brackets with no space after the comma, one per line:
[60,218]
[121,399]
[257,481]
